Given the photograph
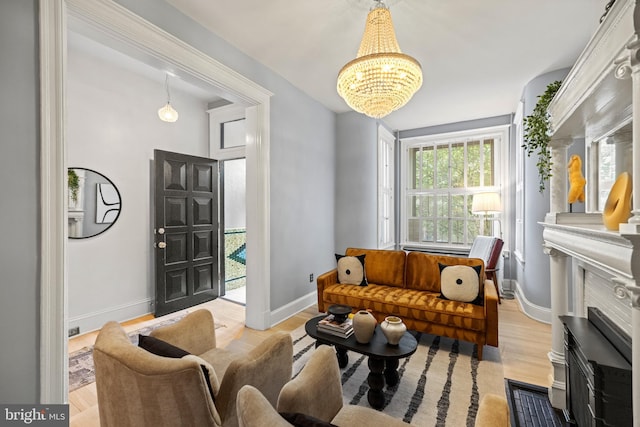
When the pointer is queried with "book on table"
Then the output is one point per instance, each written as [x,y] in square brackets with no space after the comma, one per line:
[330,326]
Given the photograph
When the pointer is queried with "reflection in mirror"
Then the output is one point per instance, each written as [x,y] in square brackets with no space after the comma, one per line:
[613,156]
[94,203]
[606,170]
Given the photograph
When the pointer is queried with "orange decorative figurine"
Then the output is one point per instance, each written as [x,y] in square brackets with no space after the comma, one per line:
[576,180]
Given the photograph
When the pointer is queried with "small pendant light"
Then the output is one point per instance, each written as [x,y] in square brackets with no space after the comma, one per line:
[167,113]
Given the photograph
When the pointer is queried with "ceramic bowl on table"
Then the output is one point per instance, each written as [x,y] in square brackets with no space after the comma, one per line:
[340,312]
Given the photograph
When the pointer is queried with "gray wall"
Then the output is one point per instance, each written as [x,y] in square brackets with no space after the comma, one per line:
[533,276]
[303,174]
[356,210]
[19,171]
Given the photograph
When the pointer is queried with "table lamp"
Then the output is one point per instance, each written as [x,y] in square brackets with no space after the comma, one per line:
[487,203]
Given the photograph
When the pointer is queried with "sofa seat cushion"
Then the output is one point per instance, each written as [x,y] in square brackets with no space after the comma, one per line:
[408,304]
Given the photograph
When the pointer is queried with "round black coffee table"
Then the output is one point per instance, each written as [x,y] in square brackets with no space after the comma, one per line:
[383,358]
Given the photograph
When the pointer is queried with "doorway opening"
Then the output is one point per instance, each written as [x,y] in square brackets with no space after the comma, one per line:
[234,225]
[132,33]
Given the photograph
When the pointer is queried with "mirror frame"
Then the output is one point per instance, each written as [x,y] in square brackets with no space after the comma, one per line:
[107,226]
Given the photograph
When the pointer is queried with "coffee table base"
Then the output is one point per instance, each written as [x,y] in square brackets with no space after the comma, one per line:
[383,358]
[391,372]
[343,357]
[381,372]
[375,396]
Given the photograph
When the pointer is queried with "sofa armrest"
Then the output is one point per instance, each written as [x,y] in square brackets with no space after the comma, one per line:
[491,312]
[325,280]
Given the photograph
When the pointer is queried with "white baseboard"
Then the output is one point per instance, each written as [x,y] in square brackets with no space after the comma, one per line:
[536,312]
[294,307]
[506,288]
[93,321]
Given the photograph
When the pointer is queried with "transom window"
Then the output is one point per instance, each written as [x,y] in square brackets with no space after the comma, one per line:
[441,174]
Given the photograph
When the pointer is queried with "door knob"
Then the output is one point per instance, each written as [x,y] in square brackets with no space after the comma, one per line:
[162,245]
[160,230]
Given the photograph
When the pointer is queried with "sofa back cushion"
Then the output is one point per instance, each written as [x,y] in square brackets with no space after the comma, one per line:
[382,267]
[423,270]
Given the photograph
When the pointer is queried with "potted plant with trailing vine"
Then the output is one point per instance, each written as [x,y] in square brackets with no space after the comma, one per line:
[537,134]
[73,181]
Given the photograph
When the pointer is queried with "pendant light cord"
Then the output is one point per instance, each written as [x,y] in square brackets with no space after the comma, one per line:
[166,86]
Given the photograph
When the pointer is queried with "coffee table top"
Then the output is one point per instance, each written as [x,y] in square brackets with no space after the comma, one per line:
[377,347]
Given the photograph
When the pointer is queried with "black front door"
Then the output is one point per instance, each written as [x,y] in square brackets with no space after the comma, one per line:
[186,231]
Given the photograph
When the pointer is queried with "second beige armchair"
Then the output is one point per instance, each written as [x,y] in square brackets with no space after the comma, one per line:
[317,392]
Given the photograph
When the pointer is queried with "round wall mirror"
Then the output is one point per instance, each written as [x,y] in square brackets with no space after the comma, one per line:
[94,203]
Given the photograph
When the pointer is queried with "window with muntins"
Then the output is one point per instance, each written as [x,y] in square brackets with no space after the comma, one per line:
[441,174]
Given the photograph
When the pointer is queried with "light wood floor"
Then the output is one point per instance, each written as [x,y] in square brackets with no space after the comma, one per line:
[524,344]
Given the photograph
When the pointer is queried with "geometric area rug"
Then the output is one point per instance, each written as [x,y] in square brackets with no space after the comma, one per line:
[441,384]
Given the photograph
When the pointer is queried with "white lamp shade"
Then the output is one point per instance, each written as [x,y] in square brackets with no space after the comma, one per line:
[486,203]
[168,114]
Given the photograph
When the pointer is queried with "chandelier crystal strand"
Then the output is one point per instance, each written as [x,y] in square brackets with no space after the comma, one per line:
[381,79]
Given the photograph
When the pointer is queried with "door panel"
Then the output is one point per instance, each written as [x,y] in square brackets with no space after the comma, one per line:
[186,231]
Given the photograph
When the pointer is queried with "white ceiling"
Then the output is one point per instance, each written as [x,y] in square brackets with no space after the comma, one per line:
[476,55]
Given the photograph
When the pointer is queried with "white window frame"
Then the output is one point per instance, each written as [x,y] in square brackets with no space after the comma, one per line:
[519,185]
[218,116]
[386,189]
[501,133]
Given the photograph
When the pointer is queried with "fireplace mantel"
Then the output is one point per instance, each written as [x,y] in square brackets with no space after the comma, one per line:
[600,98]
[584,238]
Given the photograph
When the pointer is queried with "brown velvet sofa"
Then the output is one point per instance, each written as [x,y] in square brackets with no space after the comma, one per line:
[407,285]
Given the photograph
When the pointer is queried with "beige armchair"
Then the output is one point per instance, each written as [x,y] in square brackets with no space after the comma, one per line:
[138,388]
[317,392]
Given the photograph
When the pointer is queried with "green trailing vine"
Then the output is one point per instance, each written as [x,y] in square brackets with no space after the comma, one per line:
[537,134]
[73,183]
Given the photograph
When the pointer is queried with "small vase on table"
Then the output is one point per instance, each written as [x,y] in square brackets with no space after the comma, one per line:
[364,324]
[393,329]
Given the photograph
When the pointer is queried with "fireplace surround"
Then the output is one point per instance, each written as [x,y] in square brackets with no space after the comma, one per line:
[599,101]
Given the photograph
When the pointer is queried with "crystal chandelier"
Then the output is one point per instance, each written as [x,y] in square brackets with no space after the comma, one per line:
[381,79]
[167,113]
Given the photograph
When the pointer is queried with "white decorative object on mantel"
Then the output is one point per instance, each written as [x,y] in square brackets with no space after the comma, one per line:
[599,98]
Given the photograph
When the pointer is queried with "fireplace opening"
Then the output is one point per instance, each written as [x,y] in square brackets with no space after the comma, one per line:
[598,371]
